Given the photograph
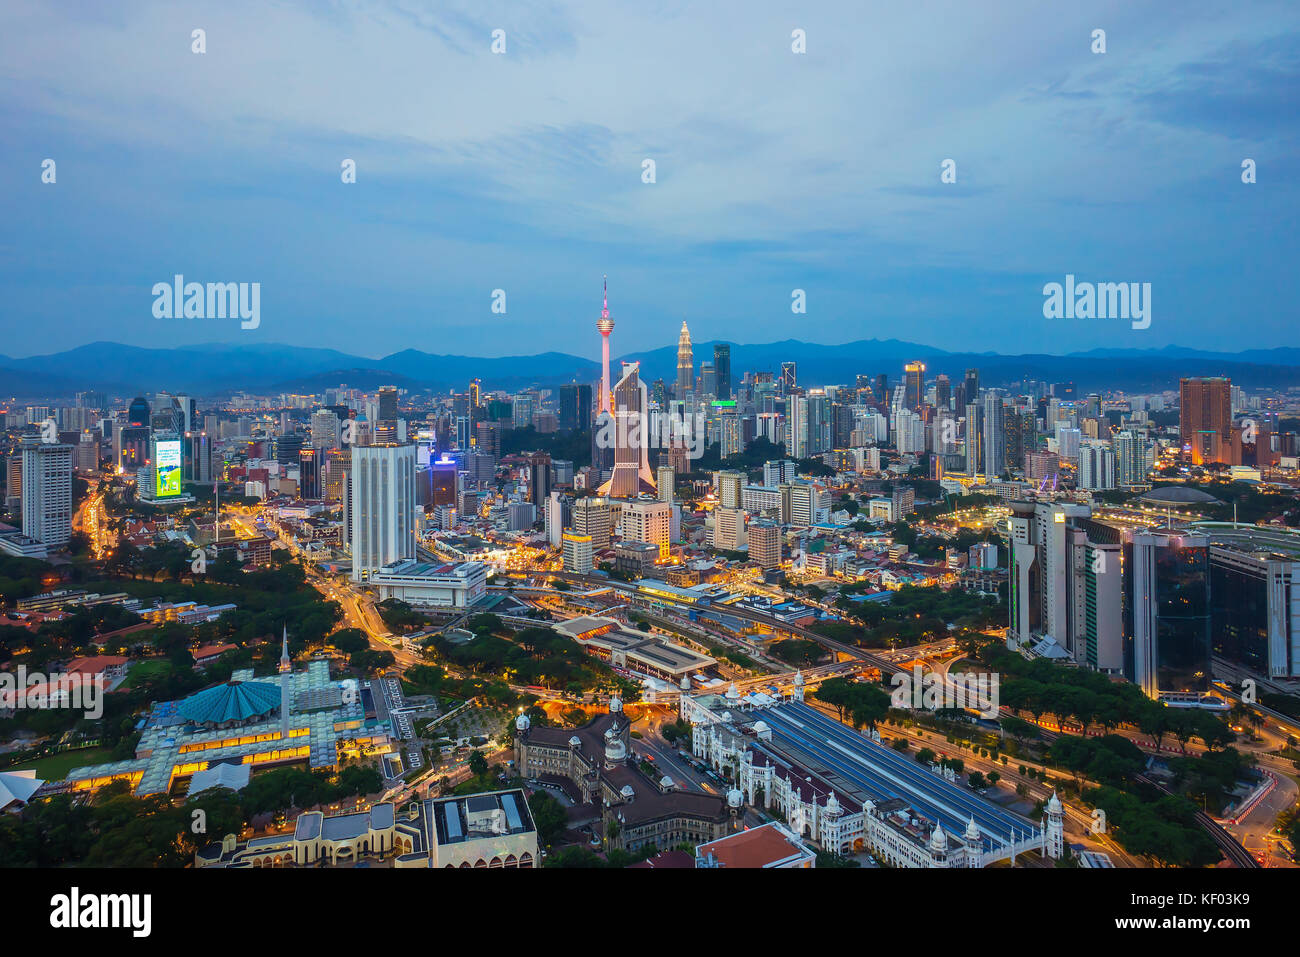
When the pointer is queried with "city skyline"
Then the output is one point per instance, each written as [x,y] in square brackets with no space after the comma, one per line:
[1123,166]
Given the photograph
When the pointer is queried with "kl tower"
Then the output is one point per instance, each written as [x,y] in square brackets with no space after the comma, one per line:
[604,325]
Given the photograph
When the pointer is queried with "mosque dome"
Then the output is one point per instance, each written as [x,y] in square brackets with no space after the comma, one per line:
[522,723]
[575,741]
[666,783]
[626,792]
[735,798]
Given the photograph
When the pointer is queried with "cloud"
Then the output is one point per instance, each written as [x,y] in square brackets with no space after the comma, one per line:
[523,171]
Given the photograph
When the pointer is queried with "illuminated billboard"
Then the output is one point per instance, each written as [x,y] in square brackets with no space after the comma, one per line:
[167,468]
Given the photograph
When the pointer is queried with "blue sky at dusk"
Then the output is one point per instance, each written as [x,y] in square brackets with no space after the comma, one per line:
[523,171]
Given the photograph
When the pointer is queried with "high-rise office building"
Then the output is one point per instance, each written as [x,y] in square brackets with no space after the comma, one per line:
[722,370]
[388,403]
[1254,604]
[914,373]
[1130,459]
[288,447]
[943,392]
[332,468]
[1205,418]
[880,391]
[47,492]
[779,472]
[575,406]
[731,435]
[708,381]
[789,378]
[796,427]
[1168,612]
[666,479]
[798,504]
[994,435]
[730,484]
[383,507]
[539,478]
[488,439]
[729,529]
[557,516]
[1096,466]
[591,517]
[325,430]
[647,522]
[577,553]
[1065,583]
[309,469]
[765,543]
[631,474]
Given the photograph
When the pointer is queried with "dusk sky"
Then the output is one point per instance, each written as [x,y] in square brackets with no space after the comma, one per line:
[523,171]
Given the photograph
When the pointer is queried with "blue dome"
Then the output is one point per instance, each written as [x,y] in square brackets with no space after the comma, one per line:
[235,701]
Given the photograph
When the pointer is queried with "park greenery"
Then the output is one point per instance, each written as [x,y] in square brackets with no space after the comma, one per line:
[113,828]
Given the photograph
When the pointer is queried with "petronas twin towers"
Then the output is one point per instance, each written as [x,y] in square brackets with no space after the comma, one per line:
[685,364]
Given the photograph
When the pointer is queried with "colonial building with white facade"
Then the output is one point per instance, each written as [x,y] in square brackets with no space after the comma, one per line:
[730,734]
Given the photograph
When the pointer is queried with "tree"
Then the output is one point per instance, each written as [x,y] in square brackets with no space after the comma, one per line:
[478,765]
[548,815]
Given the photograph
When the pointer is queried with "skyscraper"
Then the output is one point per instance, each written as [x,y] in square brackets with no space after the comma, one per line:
[383,507]
[685,364]
[575,406]
[765,543]
[47,492]
[789,377]
[591,517]
[324,430]
[647,522]
[722,369]
[1167,589]
[539,478]
[1065,583]
[1130,459]
[1096,466]
[309,463]
[915,384]
[942,392]
[626,433]
[666,477]
[994,435]
[1205,418]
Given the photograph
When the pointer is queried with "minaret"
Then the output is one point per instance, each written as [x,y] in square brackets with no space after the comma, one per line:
[286,675]
[685,364]
[1055,818]
[604,325]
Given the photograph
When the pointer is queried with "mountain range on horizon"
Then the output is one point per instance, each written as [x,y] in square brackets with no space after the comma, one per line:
[216,369]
